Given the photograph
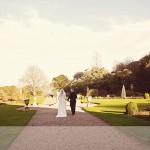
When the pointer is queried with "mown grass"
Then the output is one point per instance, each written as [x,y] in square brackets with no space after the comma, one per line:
[11,122]
[112,111]
[10,116]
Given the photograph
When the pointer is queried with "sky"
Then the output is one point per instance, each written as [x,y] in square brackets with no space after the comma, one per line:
[62,36]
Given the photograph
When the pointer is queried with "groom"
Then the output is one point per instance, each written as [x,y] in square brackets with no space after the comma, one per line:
[72,98]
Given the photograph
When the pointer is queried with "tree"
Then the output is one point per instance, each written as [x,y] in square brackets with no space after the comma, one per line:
[143,74]
[91,78]
[123,65]
[119,67]
[34,79]
[96,59]
[94,76]
[124,73]
[60,82]
[78,75]
[79,85]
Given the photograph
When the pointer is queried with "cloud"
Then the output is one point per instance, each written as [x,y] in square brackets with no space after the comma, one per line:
[60,49]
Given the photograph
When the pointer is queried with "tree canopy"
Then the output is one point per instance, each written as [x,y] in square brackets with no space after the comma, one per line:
[60,82]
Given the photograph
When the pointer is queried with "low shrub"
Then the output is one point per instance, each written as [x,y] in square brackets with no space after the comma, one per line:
[131,108]
[146,96]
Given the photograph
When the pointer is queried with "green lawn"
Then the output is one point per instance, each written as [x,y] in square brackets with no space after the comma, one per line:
[11,122]
[10,116]
[112,111]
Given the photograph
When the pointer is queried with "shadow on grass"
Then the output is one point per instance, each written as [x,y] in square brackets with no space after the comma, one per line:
[10,116]
[12,122]
[114,112]
[116,119]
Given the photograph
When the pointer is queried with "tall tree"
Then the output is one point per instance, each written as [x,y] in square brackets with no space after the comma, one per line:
[143,74]
[34,79]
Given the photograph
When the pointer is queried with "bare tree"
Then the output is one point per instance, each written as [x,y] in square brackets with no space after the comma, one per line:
[97,59]
[34,79]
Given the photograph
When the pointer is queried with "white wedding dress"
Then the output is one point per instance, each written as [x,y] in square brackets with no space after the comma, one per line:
[62,104]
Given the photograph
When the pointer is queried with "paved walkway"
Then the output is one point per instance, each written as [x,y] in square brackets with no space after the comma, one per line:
[79,132]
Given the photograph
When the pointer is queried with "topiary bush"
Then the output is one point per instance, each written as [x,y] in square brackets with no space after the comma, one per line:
[131,108]
[146,96]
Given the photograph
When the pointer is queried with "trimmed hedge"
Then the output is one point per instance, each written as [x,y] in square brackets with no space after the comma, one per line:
[131,108]
[146,96]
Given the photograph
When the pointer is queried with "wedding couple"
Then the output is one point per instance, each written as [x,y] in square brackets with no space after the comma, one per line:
[62,103]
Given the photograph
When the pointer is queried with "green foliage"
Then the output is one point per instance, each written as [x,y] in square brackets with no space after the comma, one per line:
[90,77]
[146,96]
[8,90]
[10,93]
[78,75]
[60,82]
[93,92]
[143,74]
[131,108]
[129,72]
[94,74]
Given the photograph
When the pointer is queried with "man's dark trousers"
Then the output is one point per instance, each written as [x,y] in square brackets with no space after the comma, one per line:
[73,106]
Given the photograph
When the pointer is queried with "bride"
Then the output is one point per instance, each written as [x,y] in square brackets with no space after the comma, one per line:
[62,104]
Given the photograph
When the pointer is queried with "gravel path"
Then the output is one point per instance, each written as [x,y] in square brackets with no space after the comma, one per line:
[79,132]
[47,117]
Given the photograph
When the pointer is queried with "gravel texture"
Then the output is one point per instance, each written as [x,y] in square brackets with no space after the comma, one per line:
[47,117]
[79,132]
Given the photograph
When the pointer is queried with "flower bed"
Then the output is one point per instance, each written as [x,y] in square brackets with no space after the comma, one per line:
[143,114]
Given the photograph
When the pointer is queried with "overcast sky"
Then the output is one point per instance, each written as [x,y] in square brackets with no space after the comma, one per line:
[62,36]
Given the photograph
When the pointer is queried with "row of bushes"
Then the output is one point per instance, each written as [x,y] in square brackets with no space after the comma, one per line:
[146,96]
[6,98]
[103,93]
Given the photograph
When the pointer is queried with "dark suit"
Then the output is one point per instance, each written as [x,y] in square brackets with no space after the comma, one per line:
[72,97]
